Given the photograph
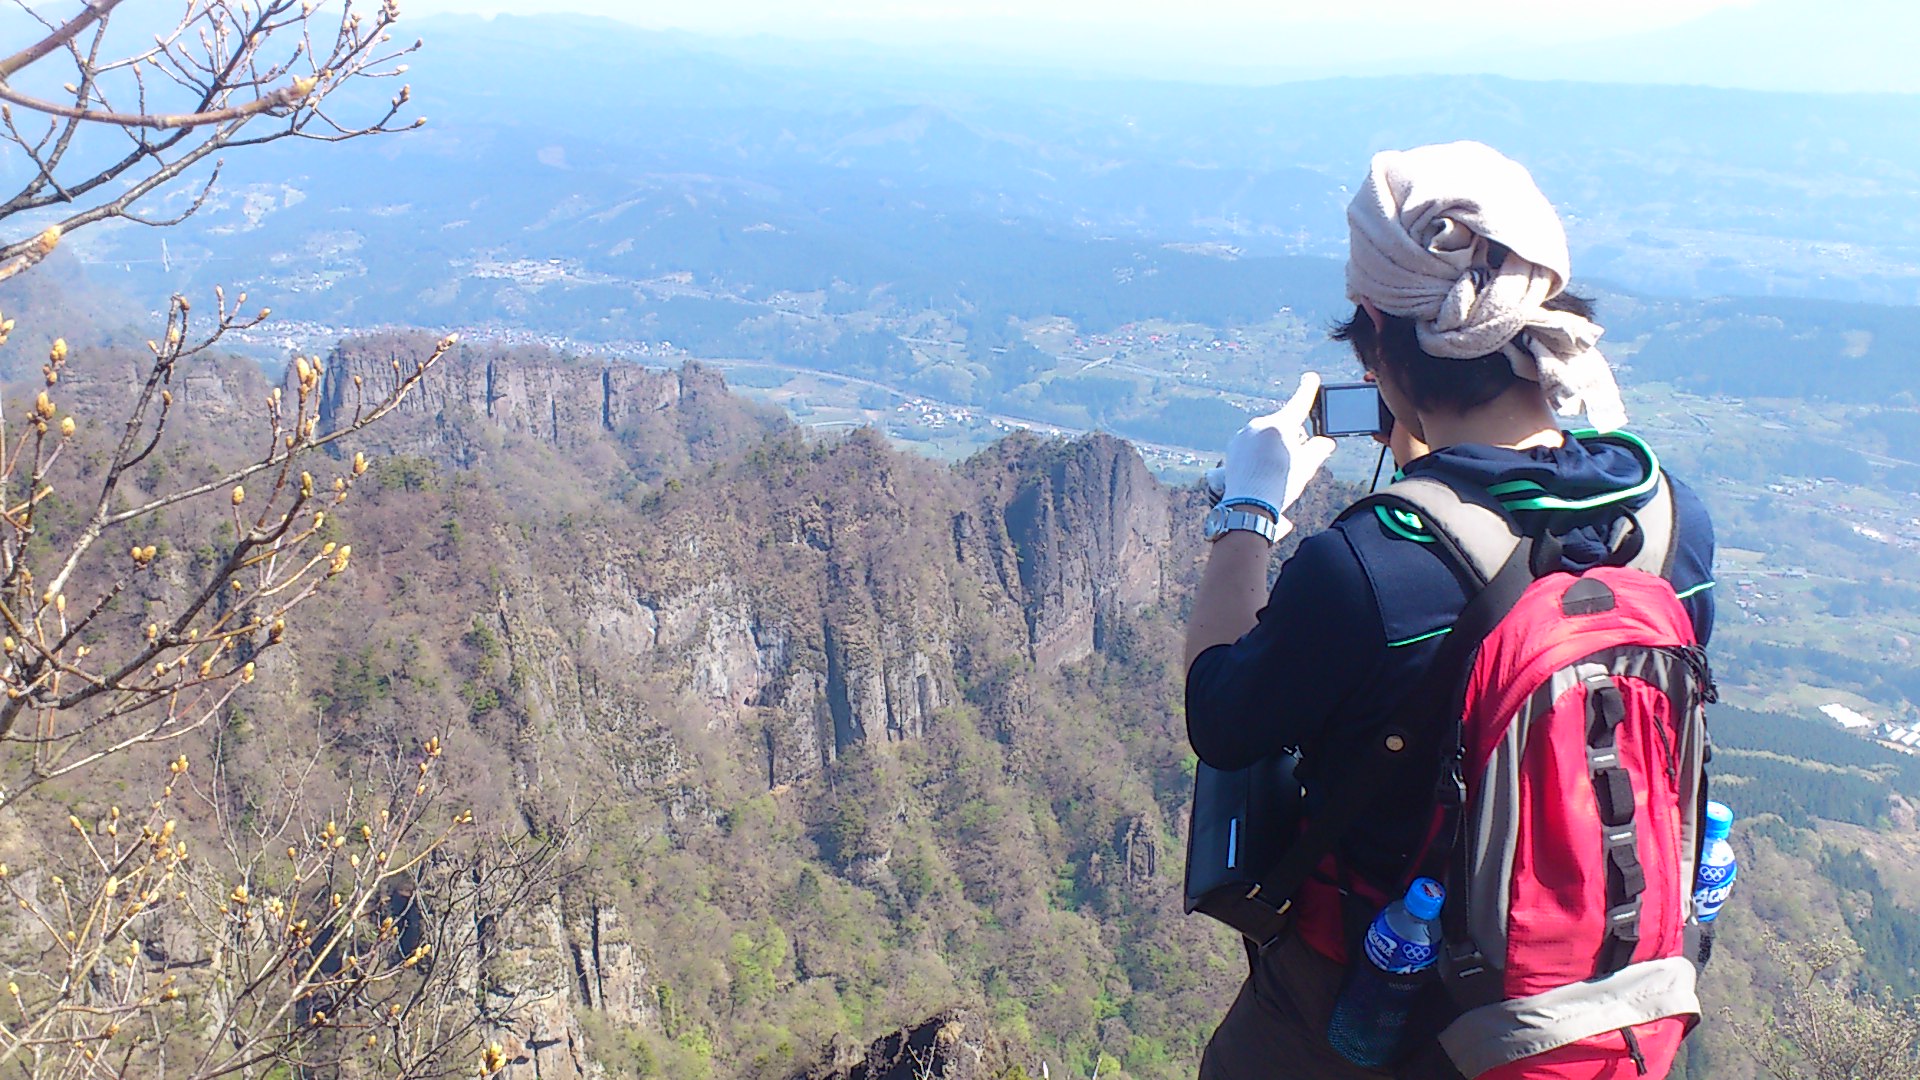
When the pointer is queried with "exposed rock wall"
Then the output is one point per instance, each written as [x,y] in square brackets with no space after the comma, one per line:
[537,976]
[834,629]
[588,409]
[806,599]
[525,391]
[1090,532]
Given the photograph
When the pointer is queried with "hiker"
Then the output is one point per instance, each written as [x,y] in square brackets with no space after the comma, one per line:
[1457,268]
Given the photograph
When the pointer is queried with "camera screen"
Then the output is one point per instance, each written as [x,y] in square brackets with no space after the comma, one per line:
[1352,410]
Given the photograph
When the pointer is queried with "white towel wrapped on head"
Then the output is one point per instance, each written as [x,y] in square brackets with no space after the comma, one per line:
[1425,233]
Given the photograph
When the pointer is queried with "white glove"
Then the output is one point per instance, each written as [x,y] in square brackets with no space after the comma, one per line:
[1271,459]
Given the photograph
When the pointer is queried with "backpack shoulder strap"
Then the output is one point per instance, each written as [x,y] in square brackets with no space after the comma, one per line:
[1476,534]
[1661,536]
[1473,532]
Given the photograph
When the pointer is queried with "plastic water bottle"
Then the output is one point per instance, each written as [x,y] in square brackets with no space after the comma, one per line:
[1715,879]
[1370,1017]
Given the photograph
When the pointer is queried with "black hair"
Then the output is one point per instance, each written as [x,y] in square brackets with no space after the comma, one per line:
[1434,382]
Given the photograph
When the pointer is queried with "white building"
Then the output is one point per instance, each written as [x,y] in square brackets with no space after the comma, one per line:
[1846,717]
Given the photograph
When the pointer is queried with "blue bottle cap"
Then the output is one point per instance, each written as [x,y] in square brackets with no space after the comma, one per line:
[1424,898]
[1719,820]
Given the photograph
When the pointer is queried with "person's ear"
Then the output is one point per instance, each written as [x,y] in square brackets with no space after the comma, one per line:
[1379,320]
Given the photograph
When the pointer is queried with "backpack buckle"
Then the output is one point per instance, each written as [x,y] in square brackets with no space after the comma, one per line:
[1451,789]
[1465,960]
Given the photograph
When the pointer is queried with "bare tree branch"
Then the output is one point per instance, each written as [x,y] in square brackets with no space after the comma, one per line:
[96,9]
[234,65]
[280,98]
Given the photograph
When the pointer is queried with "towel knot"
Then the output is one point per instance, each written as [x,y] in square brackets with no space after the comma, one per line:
[1458,238]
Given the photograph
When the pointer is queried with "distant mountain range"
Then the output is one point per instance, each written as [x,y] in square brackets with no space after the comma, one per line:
[1774,45]
[594,142]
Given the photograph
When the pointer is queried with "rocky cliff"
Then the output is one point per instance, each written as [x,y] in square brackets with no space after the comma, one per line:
[584,408]
[952,1045]
[1090,530]
[805,687]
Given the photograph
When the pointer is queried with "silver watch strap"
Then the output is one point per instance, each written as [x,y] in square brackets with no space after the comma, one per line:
[1232,520]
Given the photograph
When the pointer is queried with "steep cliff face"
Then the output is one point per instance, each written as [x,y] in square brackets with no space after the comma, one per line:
[559,961]
[523,391]
[884,582]
[877,561]
[723,638]
[1090,530]
[480,398]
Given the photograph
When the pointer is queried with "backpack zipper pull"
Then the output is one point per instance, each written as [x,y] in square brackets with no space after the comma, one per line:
[1633,1050]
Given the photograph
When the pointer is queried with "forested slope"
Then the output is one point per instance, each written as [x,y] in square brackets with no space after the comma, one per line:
[846,739]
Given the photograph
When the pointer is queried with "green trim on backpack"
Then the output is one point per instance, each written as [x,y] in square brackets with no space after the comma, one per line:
[1518,495]
[1700,588]
[1403,523]
[1418,638]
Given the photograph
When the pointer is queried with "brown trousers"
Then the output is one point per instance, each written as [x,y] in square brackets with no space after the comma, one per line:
[1277,1027]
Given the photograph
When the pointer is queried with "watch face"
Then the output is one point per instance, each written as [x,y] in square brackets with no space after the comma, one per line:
[1216,523]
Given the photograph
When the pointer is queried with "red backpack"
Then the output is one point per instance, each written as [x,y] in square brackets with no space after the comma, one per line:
[1568,819]
[1579,771]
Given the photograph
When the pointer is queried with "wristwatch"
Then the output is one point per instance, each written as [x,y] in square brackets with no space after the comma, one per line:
[1225,519]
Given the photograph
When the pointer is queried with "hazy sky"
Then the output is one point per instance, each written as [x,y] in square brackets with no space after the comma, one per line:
[1772,44]
[861,18]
